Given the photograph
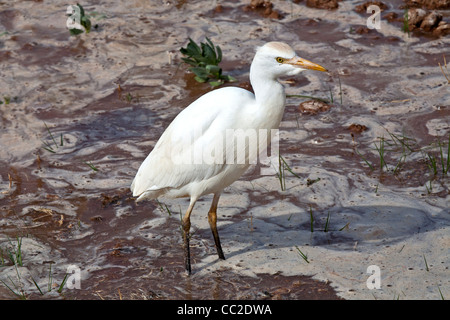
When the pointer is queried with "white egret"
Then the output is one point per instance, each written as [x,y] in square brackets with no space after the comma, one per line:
[203,124]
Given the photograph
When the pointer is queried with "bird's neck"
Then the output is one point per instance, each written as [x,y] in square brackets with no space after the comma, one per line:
[270,99]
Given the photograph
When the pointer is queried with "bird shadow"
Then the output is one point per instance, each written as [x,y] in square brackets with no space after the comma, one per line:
[361,228]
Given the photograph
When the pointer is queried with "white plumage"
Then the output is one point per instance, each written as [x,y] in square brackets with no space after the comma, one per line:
[177,165]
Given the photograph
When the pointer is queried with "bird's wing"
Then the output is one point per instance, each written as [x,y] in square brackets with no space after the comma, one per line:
[177,158]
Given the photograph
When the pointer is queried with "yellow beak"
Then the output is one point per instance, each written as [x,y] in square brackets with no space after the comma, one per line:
[305,64]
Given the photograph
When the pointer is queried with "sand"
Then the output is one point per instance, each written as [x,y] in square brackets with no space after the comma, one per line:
[71,206]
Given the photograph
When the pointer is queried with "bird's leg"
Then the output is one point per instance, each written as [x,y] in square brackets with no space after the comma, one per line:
[212,219]
[186,225]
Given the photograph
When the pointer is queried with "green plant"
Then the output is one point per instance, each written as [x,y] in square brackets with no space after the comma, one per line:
[204,61]
[432,163]
[128,97]
[282,166]
[327,223]
[48,146]
[440,293]
[445,164]
[365,160]
[405,26]
[14,253]
[89,163]
[302,255]
[381,151]
[426,264]
[433,160]
[165,208]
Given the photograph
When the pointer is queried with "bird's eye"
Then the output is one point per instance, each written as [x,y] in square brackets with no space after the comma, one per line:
[279,60]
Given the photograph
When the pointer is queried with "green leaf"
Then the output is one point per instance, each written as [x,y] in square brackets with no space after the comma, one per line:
[219,54]
[81,10]
[210,51]
[216,83]
[217,51]
[228,78]
[193,49]
[209,42]
[189,61]
[86,23]
[210,55]
[75,31]
[199,79]
[215,70]
[200,72]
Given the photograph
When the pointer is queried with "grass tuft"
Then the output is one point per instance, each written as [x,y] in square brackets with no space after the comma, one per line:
[282,167]
[15,286]
[394,151]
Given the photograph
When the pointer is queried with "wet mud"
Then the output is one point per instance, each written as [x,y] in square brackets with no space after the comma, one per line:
[80,113]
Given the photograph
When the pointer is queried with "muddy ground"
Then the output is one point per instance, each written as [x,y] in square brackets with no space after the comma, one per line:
[80,113]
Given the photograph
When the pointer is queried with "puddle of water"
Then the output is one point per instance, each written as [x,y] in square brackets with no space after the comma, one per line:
[99,102]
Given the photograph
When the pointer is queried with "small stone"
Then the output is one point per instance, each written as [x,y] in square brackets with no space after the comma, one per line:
[431,21]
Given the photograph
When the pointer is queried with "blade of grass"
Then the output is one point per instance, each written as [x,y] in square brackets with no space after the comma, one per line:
[440,293]
[91,165]
[289,168]
[381,154]
[304,256]
[48,147]
[281,175]
[306,97]
[327,223]
[161,207]
[430,189]
[50,279]
[37,286]
[15,293]
[432,164]
[61,286]
[426,264]
[444,167]
[362,157]
[448,155]
[346,226]
[15,255]
[400,161]
[51,135]
[19,251]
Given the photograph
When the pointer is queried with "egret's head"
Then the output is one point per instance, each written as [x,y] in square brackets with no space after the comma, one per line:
[279,59]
